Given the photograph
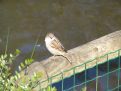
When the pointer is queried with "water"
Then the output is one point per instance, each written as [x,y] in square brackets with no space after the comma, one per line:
[74,22]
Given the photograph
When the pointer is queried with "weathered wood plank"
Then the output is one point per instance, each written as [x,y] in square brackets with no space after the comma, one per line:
[78,55]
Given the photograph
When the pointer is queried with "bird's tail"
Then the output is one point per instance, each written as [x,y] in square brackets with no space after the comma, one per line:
[67,59]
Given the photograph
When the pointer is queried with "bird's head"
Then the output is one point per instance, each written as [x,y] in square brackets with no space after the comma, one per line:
[49,37]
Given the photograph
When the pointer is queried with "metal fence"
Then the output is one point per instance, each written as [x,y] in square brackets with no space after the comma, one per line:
[115,55]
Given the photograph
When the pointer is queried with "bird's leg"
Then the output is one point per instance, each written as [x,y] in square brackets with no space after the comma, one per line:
[62,56]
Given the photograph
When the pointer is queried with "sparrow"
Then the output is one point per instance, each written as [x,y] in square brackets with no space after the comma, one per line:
[54,46]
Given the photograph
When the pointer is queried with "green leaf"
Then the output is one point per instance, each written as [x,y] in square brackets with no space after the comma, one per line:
[11,55]
[5,56]
[19,67]
[30,61]
[26,62]
[17,52]
[15,77]
[39,74]
[22,65]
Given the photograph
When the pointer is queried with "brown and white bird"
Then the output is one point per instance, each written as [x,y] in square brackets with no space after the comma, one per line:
[54,46]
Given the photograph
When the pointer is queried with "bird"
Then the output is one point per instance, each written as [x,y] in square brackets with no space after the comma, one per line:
[54,46]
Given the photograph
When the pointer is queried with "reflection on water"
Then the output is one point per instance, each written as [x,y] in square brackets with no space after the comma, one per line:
[85,20]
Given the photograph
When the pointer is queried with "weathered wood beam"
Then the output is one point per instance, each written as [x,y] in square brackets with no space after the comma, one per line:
[78,55]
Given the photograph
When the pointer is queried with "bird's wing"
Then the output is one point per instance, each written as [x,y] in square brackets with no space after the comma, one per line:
[57,45]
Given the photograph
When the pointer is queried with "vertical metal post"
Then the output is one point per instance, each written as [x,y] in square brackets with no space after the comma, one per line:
[107,74]
[96,76]
[85,75]
[62,80]
[50,79]
[118,69]
[40,87]
[74,79]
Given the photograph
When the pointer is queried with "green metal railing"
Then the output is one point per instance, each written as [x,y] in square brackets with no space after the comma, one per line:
[107,57]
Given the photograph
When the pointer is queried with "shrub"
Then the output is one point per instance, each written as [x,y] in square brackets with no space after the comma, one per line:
[9,82]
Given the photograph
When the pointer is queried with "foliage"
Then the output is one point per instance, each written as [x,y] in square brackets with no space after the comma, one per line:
[84,88]
[50,89]
[8,82]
